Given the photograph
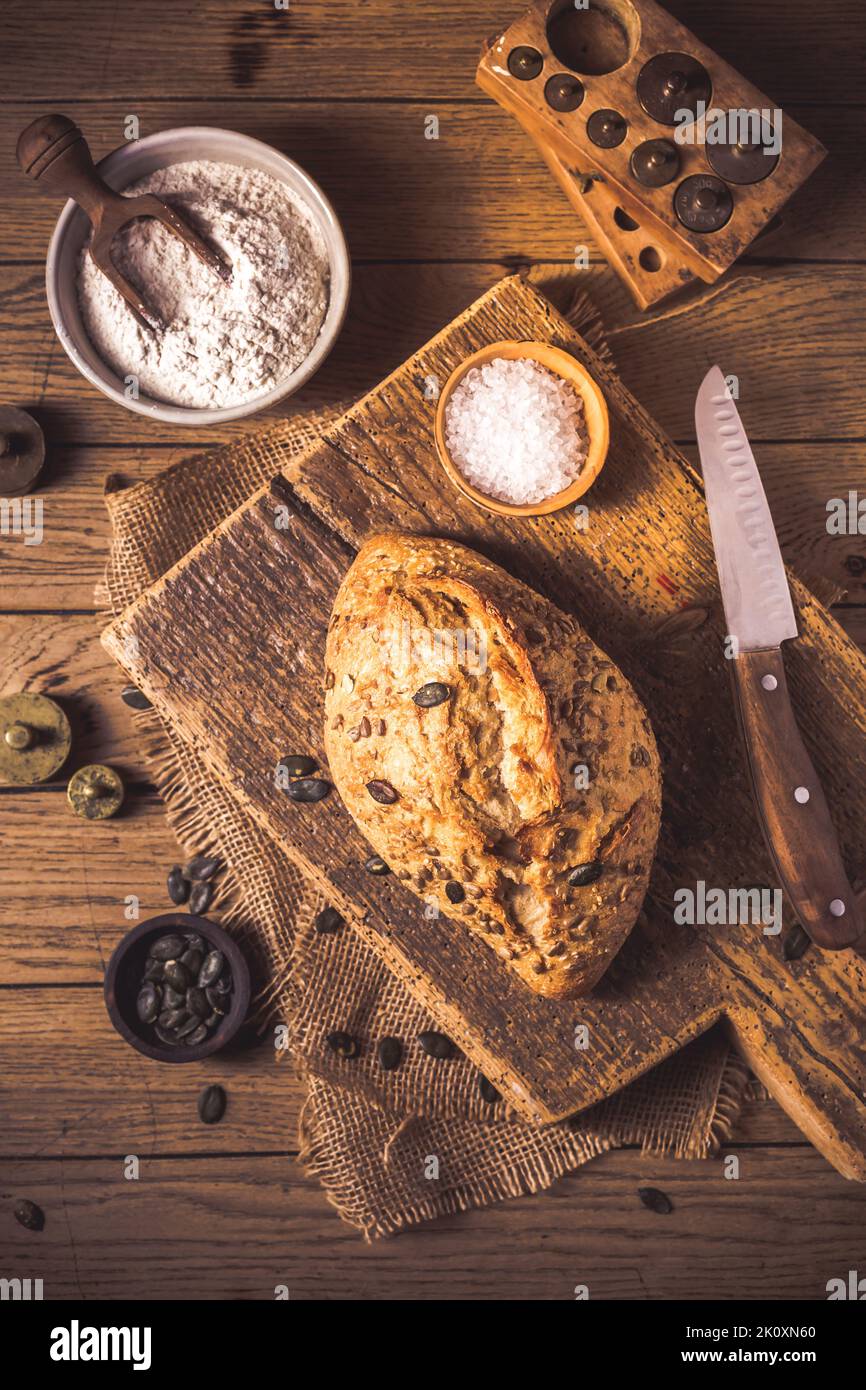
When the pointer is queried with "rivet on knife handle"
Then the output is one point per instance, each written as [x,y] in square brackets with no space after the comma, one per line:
[793,809]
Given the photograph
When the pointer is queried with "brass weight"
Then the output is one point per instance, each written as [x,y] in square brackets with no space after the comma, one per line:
[95,792]
[35,739]
[22,452]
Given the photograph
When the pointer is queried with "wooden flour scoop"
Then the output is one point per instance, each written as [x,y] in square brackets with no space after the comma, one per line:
[53,151]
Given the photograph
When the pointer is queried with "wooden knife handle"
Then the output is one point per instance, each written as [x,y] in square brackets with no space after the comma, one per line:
[791,804]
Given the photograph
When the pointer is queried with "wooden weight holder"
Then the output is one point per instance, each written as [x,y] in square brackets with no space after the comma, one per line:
[597,84]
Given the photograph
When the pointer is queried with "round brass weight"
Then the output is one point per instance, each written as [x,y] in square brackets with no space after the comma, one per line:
[95,792]
[525,63]
[672,83]
[747,161]
[655,163]
[607,128]
[22,452]
[35,739]
[563,92]
[703,203]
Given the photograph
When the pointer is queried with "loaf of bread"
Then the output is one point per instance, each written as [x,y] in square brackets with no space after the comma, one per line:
[493,756]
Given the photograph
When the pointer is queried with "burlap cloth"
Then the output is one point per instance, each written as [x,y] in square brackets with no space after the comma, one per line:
[369,1136]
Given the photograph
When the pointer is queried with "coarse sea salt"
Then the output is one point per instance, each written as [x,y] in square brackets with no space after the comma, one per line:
[516,431]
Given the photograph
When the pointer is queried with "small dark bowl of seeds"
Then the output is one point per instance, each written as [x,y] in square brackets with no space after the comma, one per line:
[177,988]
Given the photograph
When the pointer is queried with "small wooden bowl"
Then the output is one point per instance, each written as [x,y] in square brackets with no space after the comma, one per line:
[123,981]
[562,364]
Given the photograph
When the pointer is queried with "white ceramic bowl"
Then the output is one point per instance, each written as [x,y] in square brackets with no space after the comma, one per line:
[133,161]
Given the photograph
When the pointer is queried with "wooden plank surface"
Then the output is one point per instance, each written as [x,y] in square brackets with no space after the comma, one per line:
[250,1224]
[345,89]
[55,654]
[65,883]
[753,327]
[477,160]
[335,47]
[100,1094]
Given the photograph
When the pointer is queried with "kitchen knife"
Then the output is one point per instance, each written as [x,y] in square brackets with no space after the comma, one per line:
[760,616]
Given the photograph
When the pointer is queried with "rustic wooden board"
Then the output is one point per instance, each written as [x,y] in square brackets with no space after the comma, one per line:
[250,1223]
[623,577]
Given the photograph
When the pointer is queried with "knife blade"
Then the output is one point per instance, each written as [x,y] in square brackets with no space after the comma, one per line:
[791,805]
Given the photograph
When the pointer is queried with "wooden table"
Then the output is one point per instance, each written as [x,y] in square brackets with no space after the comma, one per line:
[347,88]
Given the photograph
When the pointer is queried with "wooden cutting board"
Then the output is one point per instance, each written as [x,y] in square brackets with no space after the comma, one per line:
[642,580]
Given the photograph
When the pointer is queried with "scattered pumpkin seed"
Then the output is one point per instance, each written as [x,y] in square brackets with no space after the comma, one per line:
[488,1090]
[582,874]
[298,765]
[343,1044]
[202,868]
[376,865]
[383,792]
[200,898]
[178,886]
[432,694]
[328,921]
[29,1215]
[135,698]
[390,1053]
[436,1045]
[308,789]
[656,1200]
[211,1105]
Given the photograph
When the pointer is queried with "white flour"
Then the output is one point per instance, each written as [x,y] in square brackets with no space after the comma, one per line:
[222,343]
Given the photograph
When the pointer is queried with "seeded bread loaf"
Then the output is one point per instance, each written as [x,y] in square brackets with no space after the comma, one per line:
[492,755]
